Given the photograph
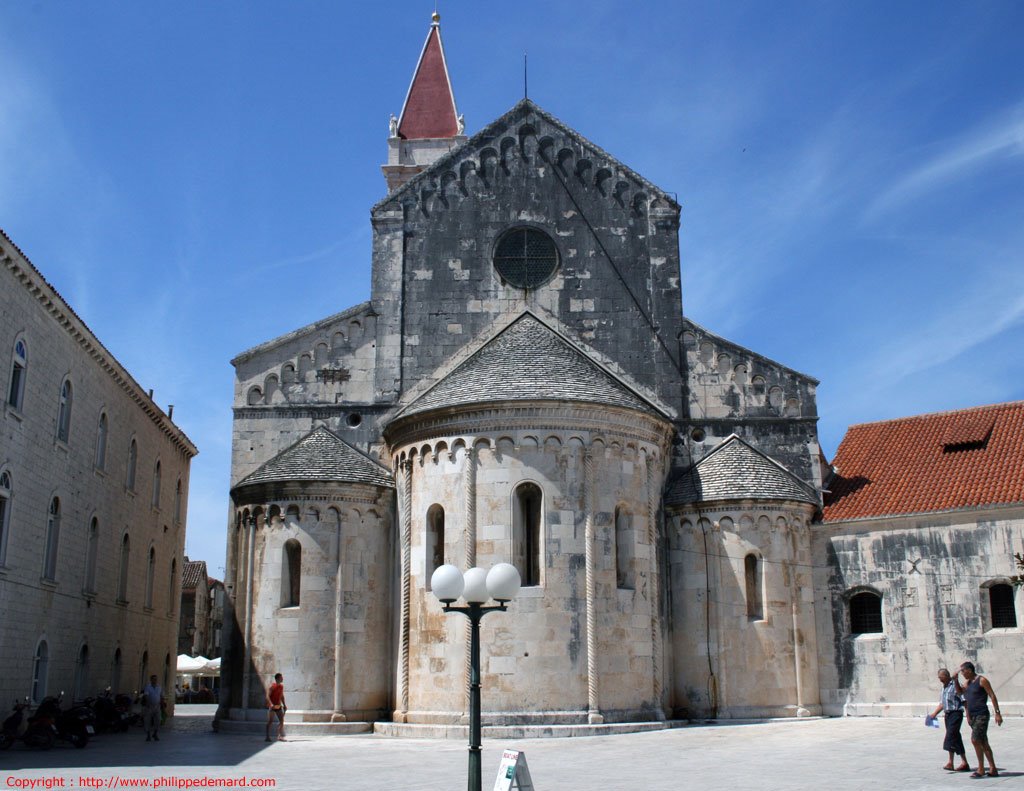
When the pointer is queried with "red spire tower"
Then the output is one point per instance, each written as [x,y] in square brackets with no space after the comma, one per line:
[430,125]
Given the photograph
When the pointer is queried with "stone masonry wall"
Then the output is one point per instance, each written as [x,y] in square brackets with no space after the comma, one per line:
[63,611]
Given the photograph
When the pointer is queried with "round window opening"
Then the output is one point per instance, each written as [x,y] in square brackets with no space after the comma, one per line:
[525,257]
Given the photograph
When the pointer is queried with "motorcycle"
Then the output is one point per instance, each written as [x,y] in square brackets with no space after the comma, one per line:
[66,725]
[38,734]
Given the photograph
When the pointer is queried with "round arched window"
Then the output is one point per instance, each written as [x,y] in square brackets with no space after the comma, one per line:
[525,257]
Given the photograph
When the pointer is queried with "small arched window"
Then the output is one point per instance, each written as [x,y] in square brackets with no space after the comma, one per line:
[526,532]
[64,413]
[19,368]
[133,461]
[624,550]
[291,573]
[435,540]
[177,502]
[40,670]
[1000,599]
[82,673]
[122,576]
[5,513]
[150,575]
[865,613]
[52,540]
[752,577]
[155,500]
[101,442]
[91,549]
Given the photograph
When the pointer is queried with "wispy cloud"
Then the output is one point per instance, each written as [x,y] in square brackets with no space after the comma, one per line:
[959,159]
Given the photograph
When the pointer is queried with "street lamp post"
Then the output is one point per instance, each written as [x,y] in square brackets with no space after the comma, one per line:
[501,583]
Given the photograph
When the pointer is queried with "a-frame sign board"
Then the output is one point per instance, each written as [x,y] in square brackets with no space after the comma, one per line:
[513,773]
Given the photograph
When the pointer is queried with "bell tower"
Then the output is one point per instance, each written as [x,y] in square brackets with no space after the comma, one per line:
[429,126]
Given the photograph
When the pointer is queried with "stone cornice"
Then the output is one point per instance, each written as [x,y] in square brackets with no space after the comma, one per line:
[52,302]
[539,416]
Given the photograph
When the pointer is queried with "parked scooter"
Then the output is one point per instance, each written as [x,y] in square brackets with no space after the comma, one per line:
[109,718]
[67,725]
[39,734]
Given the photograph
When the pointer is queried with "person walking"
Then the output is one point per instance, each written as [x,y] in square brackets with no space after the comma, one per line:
[952,706]
[977,691]
[152,696]
[276,707]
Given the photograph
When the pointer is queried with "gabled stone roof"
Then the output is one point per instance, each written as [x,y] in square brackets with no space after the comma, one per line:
[320,456]
[737,471]
[969,458]
[528,361]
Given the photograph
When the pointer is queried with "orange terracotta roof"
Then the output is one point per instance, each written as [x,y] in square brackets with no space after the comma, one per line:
[429,109]
[939,462]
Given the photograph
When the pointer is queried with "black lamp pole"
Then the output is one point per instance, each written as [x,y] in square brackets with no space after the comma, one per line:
[475,612]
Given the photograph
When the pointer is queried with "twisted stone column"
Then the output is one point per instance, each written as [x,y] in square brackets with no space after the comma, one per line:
[593,706]
[654,586]
[401,715]
[469,479]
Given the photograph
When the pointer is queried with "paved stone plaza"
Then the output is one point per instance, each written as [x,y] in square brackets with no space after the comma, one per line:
[853,753]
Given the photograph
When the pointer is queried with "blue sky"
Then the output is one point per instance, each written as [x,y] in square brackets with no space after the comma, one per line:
[196,178]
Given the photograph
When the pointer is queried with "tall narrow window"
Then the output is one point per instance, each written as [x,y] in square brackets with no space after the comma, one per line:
[122,576]
[167,671]
[752,575]
[19,367]
[52,540]
[291,573]
[1000,599]
[115,672]
[133,460]
[150,574]
[64,413]
[865,613]
[155,501]
[170,586]
[5,513]
[101,442]
[91,549]
[177,502]
[82,673]
[435,540]
[526,530]
[40,670]
[625,575]
[143,670]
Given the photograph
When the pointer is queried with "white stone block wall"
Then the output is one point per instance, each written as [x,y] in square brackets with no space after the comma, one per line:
[755,661]
[41,466]
[931,571]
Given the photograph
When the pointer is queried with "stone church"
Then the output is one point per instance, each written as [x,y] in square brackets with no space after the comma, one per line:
[523,386]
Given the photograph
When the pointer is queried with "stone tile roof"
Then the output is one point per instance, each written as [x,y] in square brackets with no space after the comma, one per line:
[192,573]
[736,471]
[320,456]
[938,462]
[528,362]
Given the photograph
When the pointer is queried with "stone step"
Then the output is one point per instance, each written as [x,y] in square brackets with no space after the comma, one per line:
[461,732]
[297,728]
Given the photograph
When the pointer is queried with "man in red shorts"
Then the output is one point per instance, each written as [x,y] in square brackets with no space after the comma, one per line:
[276,707]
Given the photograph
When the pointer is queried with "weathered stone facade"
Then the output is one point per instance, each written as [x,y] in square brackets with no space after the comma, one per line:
[93,487]
[522,386]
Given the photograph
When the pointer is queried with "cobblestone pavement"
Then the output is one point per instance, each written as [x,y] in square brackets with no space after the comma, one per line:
[840,754]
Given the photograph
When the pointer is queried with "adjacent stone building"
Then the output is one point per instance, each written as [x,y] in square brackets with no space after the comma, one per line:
[914,557]
[194,627]
[523,386]
[93,485]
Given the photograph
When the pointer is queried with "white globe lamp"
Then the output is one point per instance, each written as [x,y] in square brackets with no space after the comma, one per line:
[503,582]
[447,583]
